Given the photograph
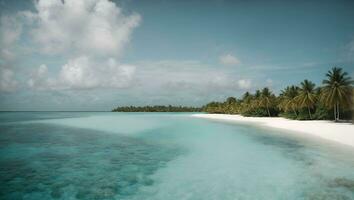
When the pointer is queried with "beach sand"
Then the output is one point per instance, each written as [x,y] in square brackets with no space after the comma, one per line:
[338,132]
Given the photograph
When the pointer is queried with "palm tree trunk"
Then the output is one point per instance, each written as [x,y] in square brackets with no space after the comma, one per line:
[268,111]
[335,112]
[295,112]
[308,108]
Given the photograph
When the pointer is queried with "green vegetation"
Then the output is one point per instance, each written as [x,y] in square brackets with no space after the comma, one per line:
[306,97]
[336,90]
[333,100]
[157,109]
[302,102]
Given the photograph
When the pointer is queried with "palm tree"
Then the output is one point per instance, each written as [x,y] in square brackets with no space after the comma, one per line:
[246,102]
[231,100]
[246,97]
[256,100]
[336,90]
[266,98]
[230,105]
[307,97]
[287,99]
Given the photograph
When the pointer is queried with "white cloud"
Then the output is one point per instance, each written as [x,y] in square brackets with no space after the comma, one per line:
[7,81]
[83,26]
[39,79]
[84,73]
[244,83]
[91,33]
[229,59]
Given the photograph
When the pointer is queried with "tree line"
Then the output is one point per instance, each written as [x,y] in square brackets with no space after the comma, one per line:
[332,100]
[157,108]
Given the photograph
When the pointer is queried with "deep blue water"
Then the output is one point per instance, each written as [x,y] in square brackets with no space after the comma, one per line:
[72,155]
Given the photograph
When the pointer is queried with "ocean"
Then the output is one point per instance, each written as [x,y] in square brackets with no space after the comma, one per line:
[165,156]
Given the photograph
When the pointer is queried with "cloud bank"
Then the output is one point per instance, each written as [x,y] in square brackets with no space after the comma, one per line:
[90,34]
[83,73]
[83,26]
[86,39]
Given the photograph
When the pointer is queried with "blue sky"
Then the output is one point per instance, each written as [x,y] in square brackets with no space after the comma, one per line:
[95,55]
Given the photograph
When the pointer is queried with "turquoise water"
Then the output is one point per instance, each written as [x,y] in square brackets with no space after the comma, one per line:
[63,155]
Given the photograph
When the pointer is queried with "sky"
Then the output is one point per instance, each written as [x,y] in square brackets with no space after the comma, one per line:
[94,55]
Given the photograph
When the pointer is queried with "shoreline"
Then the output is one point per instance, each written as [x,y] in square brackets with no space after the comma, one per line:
[342,133]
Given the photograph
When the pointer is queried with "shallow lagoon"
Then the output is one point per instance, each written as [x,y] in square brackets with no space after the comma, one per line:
[63,155]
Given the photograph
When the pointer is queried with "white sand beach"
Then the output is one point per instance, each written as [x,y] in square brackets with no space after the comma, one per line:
[338,132]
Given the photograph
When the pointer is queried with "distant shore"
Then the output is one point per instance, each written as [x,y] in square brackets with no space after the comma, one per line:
[338,132]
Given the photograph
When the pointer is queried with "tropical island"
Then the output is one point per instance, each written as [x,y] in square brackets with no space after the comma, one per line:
[157,108]
[304,108]
[333,100]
